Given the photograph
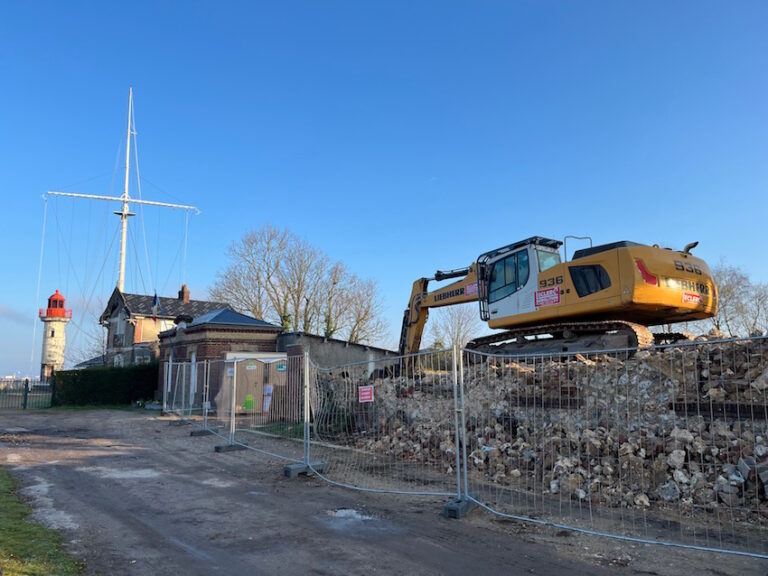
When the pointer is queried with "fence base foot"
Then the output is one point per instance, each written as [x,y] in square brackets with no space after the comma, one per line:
[293,470]
[179,422]
[229,448]
[203,432]
[458,508]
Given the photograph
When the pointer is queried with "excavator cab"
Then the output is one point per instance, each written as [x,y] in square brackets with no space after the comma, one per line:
[507,278]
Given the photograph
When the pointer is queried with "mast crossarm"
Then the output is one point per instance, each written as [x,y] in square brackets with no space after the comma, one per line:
[120,199]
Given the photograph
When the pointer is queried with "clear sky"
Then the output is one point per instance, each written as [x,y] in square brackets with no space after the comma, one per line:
[399,137]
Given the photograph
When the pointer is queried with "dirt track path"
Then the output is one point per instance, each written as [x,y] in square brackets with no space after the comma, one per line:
[133,495]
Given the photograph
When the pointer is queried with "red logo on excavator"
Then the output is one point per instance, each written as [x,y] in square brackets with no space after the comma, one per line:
[647,276]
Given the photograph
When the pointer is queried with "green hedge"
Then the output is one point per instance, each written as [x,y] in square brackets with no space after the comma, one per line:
[104,385]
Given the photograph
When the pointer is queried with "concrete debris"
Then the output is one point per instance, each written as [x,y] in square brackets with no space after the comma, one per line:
[644,431]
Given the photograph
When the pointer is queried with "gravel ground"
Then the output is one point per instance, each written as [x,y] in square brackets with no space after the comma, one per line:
[133,495]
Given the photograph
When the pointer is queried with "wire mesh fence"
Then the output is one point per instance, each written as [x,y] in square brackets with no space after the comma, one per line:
[664,446]
[388,425]
[184,387]
[268,407]
[250,403]
[24,395]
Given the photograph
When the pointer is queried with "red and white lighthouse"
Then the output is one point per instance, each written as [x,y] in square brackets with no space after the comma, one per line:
[54,319]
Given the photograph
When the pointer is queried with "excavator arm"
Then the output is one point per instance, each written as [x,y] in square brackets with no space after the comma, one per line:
[415,316]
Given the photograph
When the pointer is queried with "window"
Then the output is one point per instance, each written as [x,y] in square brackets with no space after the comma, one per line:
[53,332]
[547,259]
[589,279]
[522,268]
[508,276]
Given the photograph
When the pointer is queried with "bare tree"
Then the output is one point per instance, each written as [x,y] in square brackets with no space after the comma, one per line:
[454,325]
[363,312]
[742,304]
[332,301]
[732,286]
[275,275]
[753,310]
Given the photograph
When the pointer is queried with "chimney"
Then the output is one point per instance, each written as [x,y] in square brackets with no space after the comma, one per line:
[184,293]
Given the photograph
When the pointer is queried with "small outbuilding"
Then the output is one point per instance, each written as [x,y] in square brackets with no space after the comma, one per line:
[217,335]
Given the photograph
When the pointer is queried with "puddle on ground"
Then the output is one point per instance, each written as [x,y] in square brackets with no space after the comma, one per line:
[15,430]
[217,483]
[354,522]
[349,514]
[117,474]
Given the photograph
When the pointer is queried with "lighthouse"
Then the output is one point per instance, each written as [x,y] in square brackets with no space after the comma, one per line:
[54,319]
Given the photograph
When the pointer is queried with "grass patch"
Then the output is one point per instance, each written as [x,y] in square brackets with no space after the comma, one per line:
[27,548]
[293,430]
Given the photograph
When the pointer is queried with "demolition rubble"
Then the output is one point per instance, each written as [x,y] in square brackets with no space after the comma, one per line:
[683,427]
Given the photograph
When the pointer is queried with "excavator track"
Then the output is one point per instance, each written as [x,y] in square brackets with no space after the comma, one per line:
[571,337]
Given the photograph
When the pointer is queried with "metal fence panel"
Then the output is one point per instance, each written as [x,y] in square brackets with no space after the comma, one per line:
[24,395]
[665,446]
[218,416]
[268,414]
[179,387]
[388,425]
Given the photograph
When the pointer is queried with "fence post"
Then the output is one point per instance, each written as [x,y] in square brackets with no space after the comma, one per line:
[204,431]
[26,394]
[231,446]
[459,507]
[206,388]
[306,408]
[184,378]
[456,421]
[305,466]
[463,425]
[233,405]
[167,383]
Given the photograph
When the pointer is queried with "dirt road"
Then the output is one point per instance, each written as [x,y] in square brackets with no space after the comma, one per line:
[133,495]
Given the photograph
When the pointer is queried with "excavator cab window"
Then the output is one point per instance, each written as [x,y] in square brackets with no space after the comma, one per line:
[547,259]
[508,275]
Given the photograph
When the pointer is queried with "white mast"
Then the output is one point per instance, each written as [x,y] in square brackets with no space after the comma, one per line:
[124,213]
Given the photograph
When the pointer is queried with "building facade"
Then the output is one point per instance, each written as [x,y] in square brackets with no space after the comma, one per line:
[134,322]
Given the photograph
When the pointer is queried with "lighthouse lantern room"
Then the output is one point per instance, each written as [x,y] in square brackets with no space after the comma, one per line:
[54,319]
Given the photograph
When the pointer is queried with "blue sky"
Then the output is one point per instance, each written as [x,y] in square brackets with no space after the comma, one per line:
[399,137]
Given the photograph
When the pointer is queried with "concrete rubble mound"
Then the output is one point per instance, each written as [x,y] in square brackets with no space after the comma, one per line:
[680,427]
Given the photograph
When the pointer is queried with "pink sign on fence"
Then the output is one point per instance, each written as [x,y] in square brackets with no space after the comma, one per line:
[364,394]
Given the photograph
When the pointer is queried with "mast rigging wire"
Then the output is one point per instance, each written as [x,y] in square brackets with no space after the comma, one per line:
[37,293]
[141,206]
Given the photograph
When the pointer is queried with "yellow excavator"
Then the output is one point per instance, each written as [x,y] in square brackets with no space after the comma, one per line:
[605,297]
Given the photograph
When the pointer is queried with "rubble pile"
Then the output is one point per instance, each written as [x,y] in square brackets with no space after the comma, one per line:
[644,430]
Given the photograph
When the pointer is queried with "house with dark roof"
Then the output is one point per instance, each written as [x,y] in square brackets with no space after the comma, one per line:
[219,334]
[133,322]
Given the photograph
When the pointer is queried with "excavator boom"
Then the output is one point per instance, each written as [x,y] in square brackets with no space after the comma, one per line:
[415,316]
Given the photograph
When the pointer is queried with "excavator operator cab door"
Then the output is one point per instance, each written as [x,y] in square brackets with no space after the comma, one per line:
[512,283]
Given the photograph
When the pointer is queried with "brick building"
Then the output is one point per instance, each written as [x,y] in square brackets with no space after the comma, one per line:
[134,321]
[217,335]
